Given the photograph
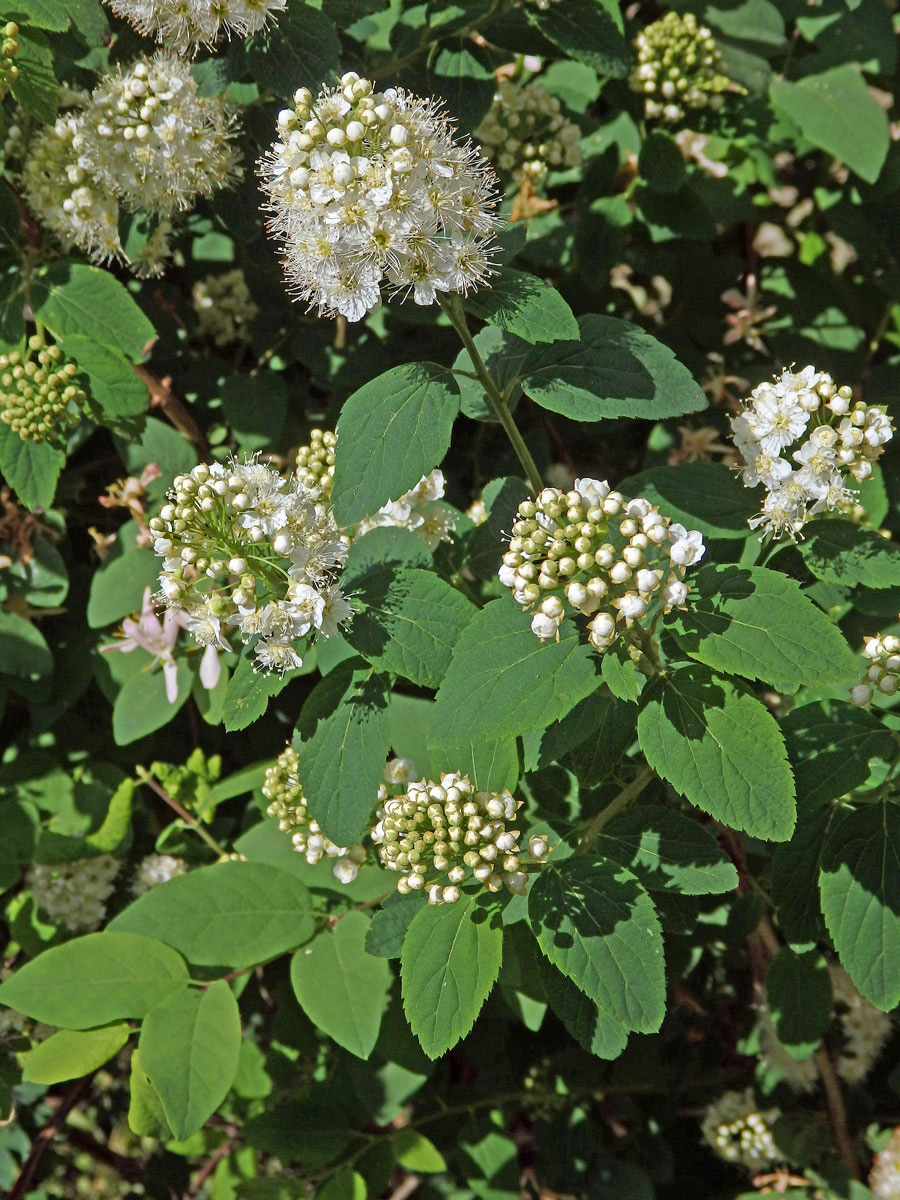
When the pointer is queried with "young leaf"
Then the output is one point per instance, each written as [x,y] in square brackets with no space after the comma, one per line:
[798,993]
[721,749]
[389,924]
[757,623]
[189,1048]
[230,915]
[31,469]
[843,553]
[397,430]
[450,961]
[416,1153]
[342,988]
[859,886]
[667,851]
[502,681]
[410,623]
[249,693]
[73,299]
[526,306]
[95,979]
[595,1031]
[596,923]
[70,1054]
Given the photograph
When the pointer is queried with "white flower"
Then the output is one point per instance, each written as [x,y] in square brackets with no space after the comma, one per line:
[154,869]
[739,1132]
[74,894]
[187,25]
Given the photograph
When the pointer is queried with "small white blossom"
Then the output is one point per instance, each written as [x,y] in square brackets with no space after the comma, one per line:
[154,869]
[884,1180]
[739,1132]
[74,894]
[185,25]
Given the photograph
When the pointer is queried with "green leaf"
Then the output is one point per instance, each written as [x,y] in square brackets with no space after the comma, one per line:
[35,87]
[615,370]
[381,547]
[667,852]
[837,112]
[76,300]
[596,1032]
[721,749]
[843,553]
[589,31]
[410,623]
[415,1152]
[23,651]
[301,48]
[450,961]
[145,1111]
[491,766]
[95,979]
[502,681]
[795,877]
[757,623]
[231,915]
[462,76]
[397,429]
[831,747]
[249,693]
[661,163]
[256,408]
[388,926]
[598,926]
[798,993]
[31,469]
[503,355]
[117,589]
[701,495]
[526,306]
[143,705]
[70,1054]
[344,1184]
[116,392]
[859,885]
[42,14]
[341,988]
[189,1048]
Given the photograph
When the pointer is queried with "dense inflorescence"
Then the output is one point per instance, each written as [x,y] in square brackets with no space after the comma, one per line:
[154,869]
[525,133]
[315,461]
[245,548]
[738,1131]
[224,307]
[73,895]
[679,68]
[591,551]
[39,398]
[371,189]
[185,25]
[803,418]
[883,673]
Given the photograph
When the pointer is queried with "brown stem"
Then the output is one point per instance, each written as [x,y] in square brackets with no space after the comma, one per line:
[162,396]
[207,1169]
[130,1169]
[837,1112]
[41,1143]
[199,829]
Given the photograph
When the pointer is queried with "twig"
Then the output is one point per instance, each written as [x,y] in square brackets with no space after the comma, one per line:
[162,396]
[406,1188]
[837,1112]
[628,793]
[41,1143]
[129,1169]
[198,828]
[208,1167]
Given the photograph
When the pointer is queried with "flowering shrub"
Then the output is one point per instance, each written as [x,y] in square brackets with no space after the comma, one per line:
[449,600]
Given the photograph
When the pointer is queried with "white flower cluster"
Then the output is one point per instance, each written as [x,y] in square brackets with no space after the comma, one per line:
[802,418]
[884,1179]
[525,133]
[154,869]
[617,561]
[883,673]
[679,68]
[368,188]
[224,307]
[150,139]
[448,829]
[245,547]
[74,894]
[185,25]
[739,1132]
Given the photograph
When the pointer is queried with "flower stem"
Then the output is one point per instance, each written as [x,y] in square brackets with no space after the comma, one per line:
[628,793]
[452,306]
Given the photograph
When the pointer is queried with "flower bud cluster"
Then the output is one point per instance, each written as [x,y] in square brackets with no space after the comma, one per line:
[525,133]
[449,830]
[73,895]
[739,1132]
[154,869]
[150,139]
[593,552]
[883,674]
[803,418]
[185,25]
[372,188]
[679,68]
[224,307]
[244,547]
[9,48]
[39,399]
[884,1179]
[315,462]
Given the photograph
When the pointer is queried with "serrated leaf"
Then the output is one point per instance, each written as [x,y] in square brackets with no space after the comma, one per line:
[859,885]
[116,392]
[798,995]
[397,430]
[795,877]
[249,693]
[836,112]
[491,766]
[450,961]
[31,469]
[342,988]
[341,762]
[843,553]
[410,622]
[42,14]
[526,306]
[721,749]
[231,915]
[95,979]
[595,1031]
[189,1048]
[615,370]
[598,926]
[589,31]
[462,76]
[387,929]
[76,300]
[383,546]
[757,623]
[831,746]
[667,851]
[701,495]
[24,653]
[35,87]
[70,1054]
[301,48]
[502,681]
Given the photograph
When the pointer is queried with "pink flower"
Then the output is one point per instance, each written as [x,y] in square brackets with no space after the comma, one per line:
[158,638]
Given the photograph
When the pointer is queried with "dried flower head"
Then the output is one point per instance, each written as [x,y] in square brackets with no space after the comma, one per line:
[185,25]
[370,189]
[525,133]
